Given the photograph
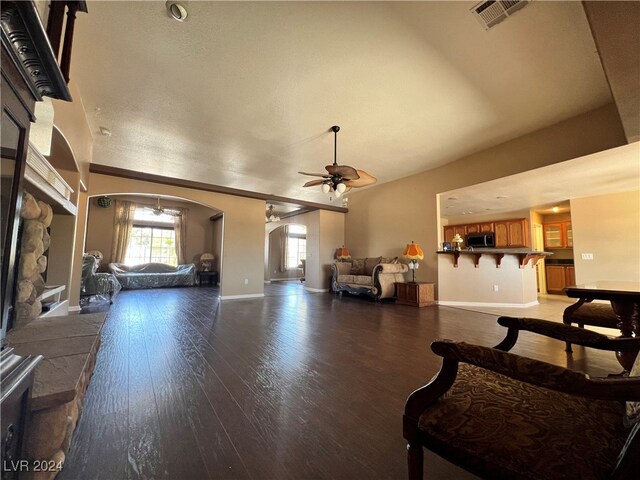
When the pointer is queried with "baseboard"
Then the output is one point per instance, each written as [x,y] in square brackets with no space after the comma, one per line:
[237,297]
[316,290]
[445,303]
[75,308]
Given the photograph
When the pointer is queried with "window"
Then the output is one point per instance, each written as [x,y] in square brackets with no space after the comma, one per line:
[153,239]
[296,245]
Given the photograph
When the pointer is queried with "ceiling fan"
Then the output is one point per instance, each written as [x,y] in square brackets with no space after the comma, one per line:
[160,210]
[339,179]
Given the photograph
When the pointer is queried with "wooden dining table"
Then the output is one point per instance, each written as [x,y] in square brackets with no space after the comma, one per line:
[625,301]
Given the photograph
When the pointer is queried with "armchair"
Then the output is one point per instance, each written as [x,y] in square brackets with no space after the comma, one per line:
[501,415]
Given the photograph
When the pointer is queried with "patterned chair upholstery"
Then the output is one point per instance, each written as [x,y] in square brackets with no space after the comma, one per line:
[583,312]
[503,416]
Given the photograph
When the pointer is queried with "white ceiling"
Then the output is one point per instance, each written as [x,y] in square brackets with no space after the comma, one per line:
[611,171]
[243,94]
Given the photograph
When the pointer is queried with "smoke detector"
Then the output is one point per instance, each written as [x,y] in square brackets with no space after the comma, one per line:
[177,10]
[491,12]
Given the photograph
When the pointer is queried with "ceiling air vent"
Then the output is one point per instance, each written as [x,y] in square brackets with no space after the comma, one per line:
[492,12]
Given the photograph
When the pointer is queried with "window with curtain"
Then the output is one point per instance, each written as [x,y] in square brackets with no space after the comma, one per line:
[153,239]
[296,245]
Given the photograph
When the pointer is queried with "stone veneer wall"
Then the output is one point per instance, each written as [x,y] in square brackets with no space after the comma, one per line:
[37,217]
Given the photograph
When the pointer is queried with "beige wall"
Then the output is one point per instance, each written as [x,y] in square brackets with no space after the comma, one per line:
[607,226]
[71,121]
[200,230]
[332,227]
[468,285]
[384,218]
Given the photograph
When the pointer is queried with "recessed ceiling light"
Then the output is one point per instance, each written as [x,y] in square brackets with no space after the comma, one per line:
[177,10]
[105,132]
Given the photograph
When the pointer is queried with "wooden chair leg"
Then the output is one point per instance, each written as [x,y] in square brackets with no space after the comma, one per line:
[415,461]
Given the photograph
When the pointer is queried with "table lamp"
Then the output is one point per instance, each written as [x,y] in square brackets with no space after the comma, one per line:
[205,261]
[457,239]
[413,253]
[342,254]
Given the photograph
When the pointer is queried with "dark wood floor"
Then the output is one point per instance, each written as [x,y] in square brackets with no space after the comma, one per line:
[300,386]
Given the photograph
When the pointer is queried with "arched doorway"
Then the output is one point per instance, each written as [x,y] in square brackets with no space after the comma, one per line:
[285,256]
[163,229]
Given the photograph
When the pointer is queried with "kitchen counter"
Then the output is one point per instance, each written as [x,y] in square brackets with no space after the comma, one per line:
[559,261]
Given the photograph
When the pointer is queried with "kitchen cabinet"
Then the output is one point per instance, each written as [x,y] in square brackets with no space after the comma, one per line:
[559,277]
[512,233]
[451,230]
[569,276]
[558,235]
[508,233]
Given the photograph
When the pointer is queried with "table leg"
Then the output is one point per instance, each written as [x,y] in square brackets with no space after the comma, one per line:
[628,313]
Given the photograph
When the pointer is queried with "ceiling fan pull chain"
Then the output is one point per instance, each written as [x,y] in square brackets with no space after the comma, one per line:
[335,145]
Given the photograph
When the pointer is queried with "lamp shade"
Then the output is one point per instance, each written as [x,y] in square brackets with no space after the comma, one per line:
[342,253]
[206,257]
[413,252]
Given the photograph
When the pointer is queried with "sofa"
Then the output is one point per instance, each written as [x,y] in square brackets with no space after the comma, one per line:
[374,277]
[153,275]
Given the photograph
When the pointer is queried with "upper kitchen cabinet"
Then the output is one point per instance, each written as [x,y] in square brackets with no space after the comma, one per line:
[453,230]
[508,233]
[558,235]
[512,233]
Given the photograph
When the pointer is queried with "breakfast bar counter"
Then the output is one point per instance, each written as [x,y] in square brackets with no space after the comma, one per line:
[524,255]
[488,277]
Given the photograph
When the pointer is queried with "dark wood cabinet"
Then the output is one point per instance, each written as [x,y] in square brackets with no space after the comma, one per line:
[419,294]
[559,277]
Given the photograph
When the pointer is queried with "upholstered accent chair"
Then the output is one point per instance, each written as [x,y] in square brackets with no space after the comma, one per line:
[503,416]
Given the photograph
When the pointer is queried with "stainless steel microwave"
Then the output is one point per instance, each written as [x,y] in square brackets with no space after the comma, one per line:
[485,239]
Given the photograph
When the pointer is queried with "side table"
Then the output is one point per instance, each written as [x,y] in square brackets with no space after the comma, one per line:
[418,294]
[212,276]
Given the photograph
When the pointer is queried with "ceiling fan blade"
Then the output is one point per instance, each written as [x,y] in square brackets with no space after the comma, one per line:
[363,180]
[345,171]
[314,174]
[313,183]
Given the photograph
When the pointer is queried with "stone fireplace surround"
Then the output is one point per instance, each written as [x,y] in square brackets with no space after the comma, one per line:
[69,345]
[36,216]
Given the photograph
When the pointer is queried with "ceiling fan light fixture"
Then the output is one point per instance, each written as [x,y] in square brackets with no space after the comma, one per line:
[270,215]
[339,179]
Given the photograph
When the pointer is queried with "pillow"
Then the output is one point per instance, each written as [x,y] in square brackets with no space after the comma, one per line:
[357,266]
[369,265]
